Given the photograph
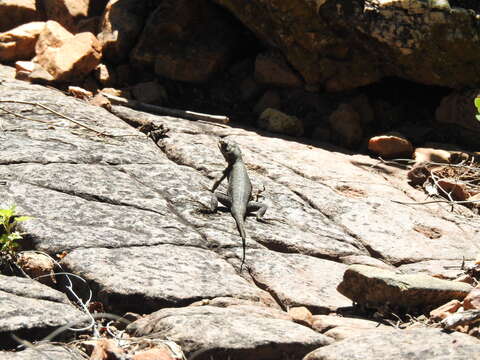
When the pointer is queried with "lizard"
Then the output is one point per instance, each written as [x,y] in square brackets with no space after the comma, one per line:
[239,194]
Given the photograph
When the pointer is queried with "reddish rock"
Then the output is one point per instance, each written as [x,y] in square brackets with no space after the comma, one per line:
[70,60]
[390,146]
[120,26]
[66,12]
[472,300]
[451,188]
[19,43]
[271,68]
[17,12]
[346,125]
[37,265]
[105,75]
[155,354]
[445,310]
[105,349]
[301,315]
[52,35]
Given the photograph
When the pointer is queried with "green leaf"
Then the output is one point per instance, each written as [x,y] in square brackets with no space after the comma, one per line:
[478,117]
[22,218]
[477,102]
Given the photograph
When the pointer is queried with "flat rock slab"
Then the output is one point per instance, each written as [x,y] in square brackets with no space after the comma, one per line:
[373,286]
[44,352]
[340,328]
[32,310]
[229,333]
[418,344]
[145,279]
[298,280]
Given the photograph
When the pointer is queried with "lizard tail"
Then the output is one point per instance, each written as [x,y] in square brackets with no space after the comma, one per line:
[241,230]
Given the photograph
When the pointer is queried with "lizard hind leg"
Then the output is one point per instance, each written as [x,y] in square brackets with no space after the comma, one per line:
[259,207]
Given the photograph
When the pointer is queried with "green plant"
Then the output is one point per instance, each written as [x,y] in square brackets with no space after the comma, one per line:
[9,237]
[477,105]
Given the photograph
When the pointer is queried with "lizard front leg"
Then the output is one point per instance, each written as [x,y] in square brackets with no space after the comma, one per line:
[219,197]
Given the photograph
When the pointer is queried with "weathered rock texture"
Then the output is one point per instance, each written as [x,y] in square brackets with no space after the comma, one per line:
[250,336]
[419,344]
[17,12]
[372,286]
[31,310]
[44,352]
[19,43]
[186,40]
[344,44]
[130,216]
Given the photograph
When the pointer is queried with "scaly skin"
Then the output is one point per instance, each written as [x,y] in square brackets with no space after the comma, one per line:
[239,189]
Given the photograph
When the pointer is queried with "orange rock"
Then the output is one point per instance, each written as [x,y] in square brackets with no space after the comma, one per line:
[66,12]
[457,191]
[445,310]
[17,12]
[390,146]
[38,265]
[105,349]
[155,354]
[19,43]
[301,315]
[472,300]
[105,75]
[65,56]
[52,35]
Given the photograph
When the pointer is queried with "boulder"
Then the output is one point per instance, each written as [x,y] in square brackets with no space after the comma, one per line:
[18,12]
[120,26]
[187,41]
[390,146]
[19,43]
[31,310]
[278,122]
[339,327]
[458,109]
[417,344]
[66,12]
[272,69]
[251,335]
[377,287]
[44,352]
[345,44]
[67,57]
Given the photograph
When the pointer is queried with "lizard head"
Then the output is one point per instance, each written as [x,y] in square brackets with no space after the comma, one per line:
[229,150]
